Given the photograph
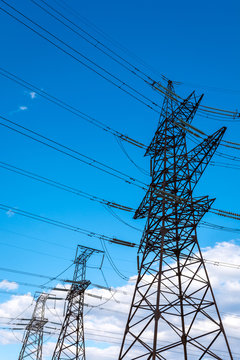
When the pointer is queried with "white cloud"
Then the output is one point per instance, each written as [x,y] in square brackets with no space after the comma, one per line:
[7,337]
[108,353]
[22,108]
[16,305]
[32,95]
[10,213]
[7,285]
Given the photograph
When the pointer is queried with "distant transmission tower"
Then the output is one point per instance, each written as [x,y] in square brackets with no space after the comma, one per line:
[71,344]
[33,338]
[173,313]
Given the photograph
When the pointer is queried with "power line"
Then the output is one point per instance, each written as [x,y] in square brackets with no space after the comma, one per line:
[208,225]
[104,201]
[114,80]
[63,225]
[215,262]
[87,160]
[69,108]
[36,239]
[94,42]
[66,150]
[80,114]
[33,251]
[121,84]
[90,24]
[109,339]
[110,53]
[193,130]
[64,187]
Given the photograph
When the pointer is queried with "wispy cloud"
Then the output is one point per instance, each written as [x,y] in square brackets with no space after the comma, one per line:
[22,108]
[32,94]
[10,213]
[7,285]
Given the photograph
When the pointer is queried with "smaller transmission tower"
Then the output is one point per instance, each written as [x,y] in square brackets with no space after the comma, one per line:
[70,344]
[33,338]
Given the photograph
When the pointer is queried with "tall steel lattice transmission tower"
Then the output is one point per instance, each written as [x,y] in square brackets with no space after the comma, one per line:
[71,343]
[33,338]
[173,313]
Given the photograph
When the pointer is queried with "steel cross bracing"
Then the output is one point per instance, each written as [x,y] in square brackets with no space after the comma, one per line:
[71,343]
[173,297]
[33,337]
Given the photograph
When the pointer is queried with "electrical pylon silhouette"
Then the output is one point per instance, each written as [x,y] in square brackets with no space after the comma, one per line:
[33,337]
[173,313]
[71,343]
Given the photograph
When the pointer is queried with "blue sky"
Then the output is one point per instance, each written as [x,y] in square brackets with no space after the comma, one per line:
[195,44]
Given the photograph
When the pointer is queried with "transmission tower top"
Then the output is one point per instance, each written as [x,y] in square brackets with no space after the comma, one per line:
[33,338]
[71,342]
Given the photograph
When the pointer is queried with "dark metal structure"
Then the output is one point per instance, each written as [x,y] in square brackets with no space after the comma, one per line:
[71,344]
[33,337]
[174,314]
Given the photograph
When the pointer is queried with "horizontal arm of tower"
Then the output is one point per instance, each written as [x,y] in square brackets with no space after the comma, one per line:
[77,288]
[36,324]
[200,156]
[185,217]
[190,168]
[155,198]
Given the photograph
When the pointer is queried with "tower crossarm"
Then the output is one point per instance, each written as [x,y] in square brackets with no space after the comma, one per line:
[185,171]
[185,217]
[200,156]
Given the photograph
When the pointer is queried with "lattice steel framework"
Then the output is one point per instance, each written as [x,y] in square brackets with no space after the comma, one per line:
[71,343]
[33,337]
[174,314]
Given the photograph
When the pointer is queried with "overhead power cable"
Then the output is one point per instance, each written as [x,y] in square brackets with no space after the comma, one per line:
[100,337]
[143,171]
[105,127]
[91,65]
[64,187]
[102,201]
[115,340]
[208,225]
[93,41]
[105,202]
[171,197]
[215,262]
[66,150]
[116,57]
[9,244]
[63,225]
[80,114]
[106,74]
[215,113]
[94,307]
[69,108]
[200,134]
[116,241]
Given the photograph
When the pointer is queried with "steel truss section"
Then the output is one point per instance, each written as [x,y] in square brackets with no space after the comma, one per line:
[33,337]
[173,313]
[71,342]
